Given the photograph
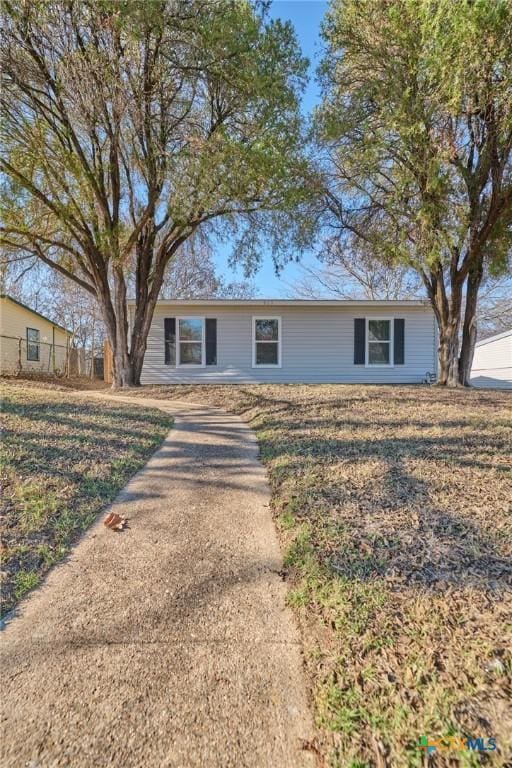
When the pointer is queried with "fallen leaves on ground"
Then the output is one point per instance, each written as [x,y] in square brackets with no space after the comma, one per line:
[115,522]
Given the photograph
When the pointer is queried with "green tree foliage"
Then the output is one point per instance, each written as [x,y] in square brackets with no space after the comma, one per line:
[417,119]
[128,125]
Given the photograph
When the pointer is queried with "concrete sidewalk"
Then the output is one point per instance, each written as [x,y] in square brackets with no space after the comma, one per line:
[168,644]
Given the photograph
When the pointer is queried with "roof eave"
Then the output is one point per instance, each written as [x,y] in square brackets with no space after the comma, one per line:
[291,302]
[496,337]
[35,312]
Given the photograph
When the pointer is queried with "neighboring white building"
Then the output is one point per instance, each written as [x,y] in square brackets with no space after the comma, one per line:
[280,340]
[492,362]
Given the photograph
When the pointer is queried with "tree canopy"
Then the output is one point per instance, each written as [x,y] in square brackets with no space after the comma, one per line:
[417,119]
[129,125]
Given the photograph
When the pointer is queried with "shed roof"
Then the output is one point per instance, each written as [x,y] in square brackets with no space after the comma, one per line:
[497,336]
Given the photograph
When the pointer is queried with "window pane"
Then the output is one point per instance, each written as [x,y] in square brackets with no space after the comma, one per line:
[190,353]
[267,330]
[378,352]
[32,351]
[170,353]
[378,330]
[32,344]
[267,354]
[192,329]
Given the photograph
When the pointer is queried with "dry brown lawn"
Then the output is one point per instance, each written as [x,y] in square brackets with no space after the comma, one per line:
[394,508]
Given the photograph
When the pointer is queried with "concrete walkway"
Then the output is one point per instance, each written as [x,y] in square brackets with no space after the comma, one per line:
[168,644]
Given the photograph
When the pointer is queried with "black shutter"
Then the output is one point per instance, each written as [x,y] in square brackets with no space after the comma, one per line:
[170,340]
[359,341]
[211,341]
[399,342]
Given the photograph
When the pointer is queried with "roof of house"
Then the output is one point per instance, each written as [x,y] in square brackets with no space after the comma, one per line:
[497,336]
[291,302]
[33,311]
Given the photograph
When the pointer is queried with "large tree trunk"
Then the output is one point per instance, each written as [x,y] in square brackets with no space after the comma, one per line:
[127,366]
[112,302]
[469,330]
[123,373]
[448,357]
[128,352]
[447,310]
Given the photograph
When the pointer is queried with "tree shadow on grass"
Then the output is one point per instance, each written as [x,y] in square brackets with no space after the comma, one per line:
[422,509]
[417,542]
[62,464]
[79,418]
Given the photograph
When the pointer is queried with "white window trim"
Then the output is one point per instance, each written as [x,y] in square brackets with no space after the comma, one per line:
[179,364]
[391,342]
[279,341]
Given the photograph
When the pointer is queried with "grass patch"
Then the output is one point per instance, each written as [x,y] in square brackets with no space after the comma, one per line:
[36,504]
[61,462]
[393,508]
[23,582]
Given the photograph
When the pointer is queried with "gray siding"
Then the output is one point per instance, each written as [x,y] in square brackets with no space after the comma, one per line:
[492,362]
[317,346]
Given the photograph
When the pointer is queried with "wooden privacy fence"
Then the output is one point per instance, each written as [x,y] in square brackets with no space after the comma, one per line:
[107,362]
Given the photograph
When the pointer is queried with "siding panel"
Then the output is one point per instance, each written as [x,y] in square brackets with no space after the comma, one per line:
[492,363]
[317,346]
[14,321]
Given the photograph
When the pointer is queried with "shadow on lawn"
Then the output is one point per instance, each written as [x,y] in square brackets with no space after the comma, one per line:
[422,509]
[77,416]
[63,434]
[62,464]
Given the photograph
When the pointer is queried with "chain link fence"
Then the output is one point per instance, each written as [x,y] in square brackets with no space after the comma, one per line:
[18,355]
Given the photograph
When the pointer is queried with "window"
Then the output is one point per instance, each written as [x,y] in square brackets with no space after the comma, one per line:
[380,342]
[191,341]
[266,349]
[33,344]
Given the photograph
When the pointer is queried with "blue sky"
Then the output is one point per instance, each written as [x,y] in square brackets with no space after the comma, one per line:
[306,16]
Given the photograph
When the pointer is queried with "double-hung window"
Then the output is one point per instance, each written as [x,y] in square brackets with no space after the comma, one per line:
[190,341]
[266,346]
[33,344]
[379,337]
